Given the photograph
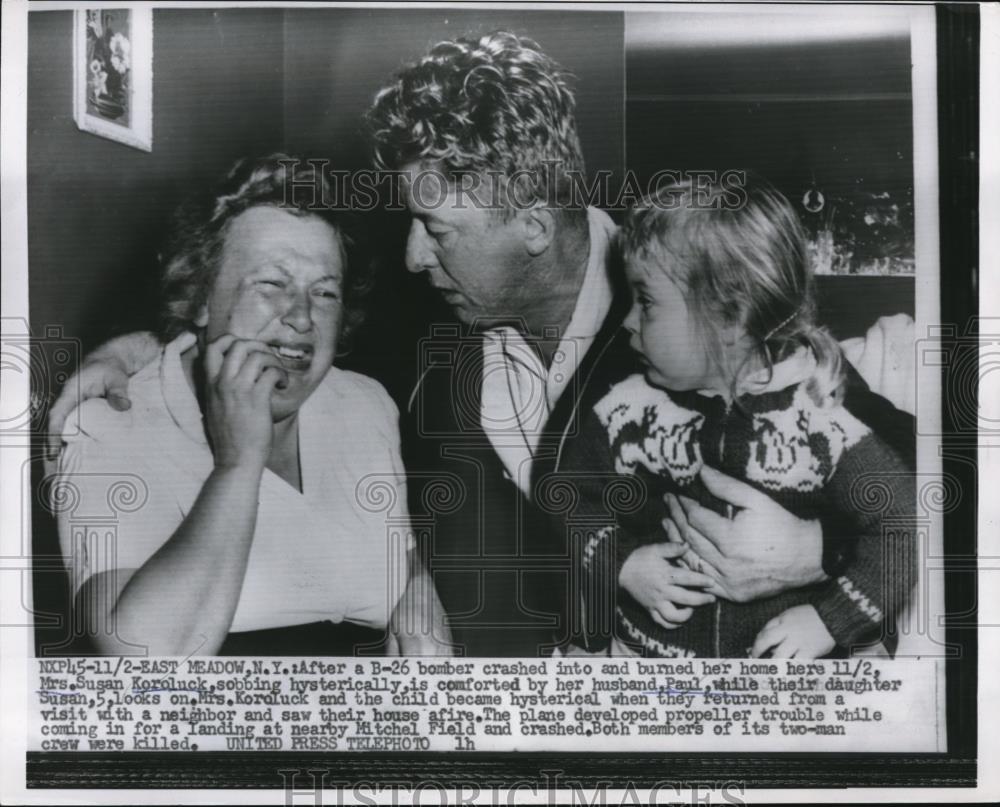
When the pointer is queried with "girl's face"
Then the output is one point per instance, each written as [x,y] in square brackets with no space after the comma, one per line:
[663,329]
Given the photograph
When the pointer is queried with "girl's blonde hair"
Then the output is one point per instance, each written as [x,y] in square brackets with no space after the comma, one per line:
[739,252]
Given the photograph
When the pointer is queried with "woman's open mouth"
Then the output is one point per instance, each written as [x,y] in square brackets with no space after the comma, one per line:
[295,357]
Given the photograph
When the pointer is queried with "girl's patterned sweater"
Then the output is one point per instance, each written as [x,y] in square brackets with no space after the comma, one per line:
[818,462]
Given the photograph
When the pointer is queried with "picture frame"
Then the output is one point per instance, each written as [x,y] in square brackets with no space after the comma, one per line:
[113,74]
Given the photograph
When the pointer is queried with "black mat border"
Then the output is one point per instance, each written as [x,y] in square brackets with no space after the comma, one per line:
[486,770]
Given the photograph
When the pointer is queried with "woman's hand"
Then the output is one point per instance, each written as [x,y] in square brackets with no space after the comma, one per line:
[240,375]
[666,590]
[211,547]
[797,633]
[762,551]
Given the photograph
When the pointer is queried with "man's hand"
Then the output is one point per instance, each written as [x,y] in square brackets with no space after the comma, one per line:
[103,375]
[105,378]
[762,551]
[671,593]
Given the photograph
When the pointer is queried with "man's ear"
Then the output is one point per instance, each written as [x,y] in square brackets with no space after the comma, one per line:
[539,229]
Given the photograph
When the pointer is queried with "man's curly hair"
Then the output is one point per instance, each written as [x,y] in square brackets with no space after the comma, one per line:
[492,104]
[192,254]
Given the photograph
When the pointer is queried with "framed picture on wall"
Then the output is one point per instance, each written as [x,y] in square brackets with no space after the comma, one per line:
[113,74]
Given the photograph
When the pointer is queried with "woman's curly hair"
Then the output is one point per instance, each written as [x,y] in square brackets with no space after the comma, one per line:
[496,104]
[192,254]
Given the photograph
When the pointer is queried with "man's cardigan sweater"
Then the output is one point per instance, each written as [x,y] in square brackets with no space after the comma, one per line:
[816,462]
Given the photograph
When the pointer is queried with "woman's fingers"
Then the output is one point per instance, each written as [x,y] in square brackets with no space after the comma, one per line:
[254,365]
[215,354]
[240,363]
[270,378]
[237,355]
[232,360]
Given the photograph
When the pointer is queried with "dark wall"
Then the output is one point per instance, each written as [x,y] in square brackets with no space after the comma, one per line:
[337,59]
[833,116]
[97,208]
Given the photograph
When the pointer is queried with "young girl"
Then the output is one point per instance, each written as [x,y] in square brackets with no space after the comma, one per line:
[738,378]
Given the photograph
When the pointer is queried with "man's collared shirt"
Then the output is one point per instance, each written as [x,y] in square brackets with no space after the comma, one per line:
[518,392]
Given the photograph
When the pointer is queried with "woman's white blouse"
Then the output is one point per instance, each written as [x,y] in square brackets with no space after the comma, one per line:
[336,551]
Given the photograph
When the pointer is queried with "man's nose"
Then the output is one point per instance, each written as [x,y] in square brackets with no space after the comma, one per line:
[298,316]
[419,255]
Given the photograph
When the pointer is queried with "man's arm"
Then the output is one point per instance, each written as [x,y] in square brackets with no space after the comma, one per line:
[103,374]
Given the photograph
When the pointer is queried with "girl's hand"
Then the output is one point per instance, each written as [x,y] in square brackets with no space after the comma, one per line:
[669,592]
[240,375]
[796,633]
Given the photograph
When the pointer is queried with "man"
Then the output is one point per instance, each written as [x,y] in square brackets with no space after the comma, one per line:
[483,134]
